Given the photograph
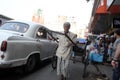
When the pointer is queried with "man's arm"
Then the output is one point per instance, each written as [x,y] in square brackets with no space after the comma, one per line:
[117,53]
[116,56]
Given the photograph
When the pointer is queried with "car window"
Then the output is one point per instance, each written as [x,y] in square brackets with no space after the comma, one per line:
[41,33]
[15,26]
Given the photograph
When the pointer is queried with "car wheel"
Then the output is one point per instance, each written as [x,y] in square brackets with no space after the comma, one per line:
[30,65]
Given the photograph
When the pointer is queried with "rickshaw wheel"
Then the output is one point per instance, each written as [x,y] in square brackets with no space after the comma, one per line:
[54,62]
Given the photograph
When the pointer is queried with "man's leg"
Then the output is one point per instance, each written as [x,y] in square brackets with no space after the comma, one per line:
[116,73]
[59,66]
[65,64]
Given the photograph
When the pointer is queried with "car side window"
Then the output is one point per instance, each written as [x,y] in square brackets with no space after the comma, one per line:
[41,33]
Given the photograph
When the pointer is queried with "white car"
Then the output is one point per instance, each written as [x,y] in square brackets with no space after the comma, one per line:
[25,43]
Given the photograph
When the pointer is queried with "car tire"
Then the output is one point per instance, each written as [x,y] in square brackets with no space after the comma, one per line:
[31,64]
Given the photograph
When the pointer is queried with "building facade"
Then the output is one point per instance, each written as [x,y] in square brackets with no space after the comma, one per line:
[103,14]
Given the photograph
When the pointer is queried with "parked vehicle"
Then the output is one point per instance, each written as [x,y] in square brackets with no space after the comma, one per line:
[25,44]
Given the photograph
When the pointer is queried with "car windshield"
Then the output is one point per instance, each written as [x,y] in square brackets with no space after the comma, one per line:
[15,26]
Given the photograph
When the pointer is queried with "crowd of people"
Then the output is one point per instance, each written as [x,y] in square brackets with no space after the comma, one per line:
[106,48]
[103,45]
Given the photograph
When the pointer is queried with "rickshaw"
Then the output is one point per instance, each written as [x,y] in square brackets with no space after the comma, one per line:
[79,51]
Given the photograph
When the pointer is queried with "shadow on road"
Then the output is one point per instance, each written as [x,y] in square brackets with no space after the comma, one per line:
[12,74]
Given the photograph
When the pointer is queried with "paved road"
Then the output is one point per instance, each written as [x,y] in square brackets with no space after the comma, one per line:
[45,72]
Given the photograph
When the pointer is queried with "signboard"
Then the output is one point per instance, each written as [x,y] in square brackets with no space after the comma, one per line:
[116,22]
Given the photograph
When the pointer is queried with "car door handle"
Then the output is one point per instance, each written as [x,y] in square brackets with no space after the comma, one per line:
[37,40]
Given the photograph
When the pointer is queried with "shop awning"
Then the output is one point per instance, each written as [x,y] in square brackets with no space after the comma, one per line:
[114,8]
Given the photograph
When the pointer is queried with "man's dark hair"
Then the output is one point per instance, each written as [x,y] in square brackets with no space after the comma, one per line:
[117,31]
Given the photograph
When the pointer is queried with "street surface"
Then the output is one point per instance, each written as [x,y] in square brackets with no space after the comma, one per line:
[45,72]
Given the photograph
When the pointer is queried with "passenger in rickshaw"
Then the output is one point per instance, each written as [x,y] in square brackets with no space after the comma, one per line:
[93,52]
[110,48]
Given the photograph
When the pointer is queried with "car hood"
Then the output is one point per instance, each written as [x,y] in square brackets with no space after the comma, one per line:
[5,34]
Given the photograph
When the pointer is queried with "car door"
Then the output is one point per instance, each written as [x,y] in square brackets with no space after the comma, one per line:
[52,44]
[43,44]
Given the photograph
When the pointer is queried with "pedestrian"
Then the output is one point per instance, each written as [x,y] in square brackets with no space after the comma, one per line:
[116,56]
[116,64]
[64,51]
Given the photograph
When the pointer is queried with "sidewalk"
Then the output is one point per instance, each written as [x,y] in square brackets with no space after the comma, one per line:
[76,71]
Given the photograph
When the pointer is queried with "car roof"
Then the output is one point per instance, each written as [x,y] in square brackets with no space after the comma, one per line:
[30,23]
[26,22]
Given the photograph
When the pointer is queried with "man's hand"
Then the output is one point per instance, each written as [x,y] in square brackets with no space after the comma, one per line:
[114,64]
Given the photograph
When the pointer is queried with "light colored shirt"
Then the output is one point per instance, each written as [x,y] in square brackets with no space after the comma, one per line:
[65,45]
[117,52]
[117,41]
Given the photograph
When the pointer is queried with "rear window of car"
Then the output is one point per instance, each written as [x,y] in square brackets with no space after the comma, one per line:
[15,26]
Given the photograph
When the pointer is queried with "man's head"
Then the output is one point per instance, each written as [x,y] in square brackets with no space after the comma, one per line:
[117,33]
[66,27]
